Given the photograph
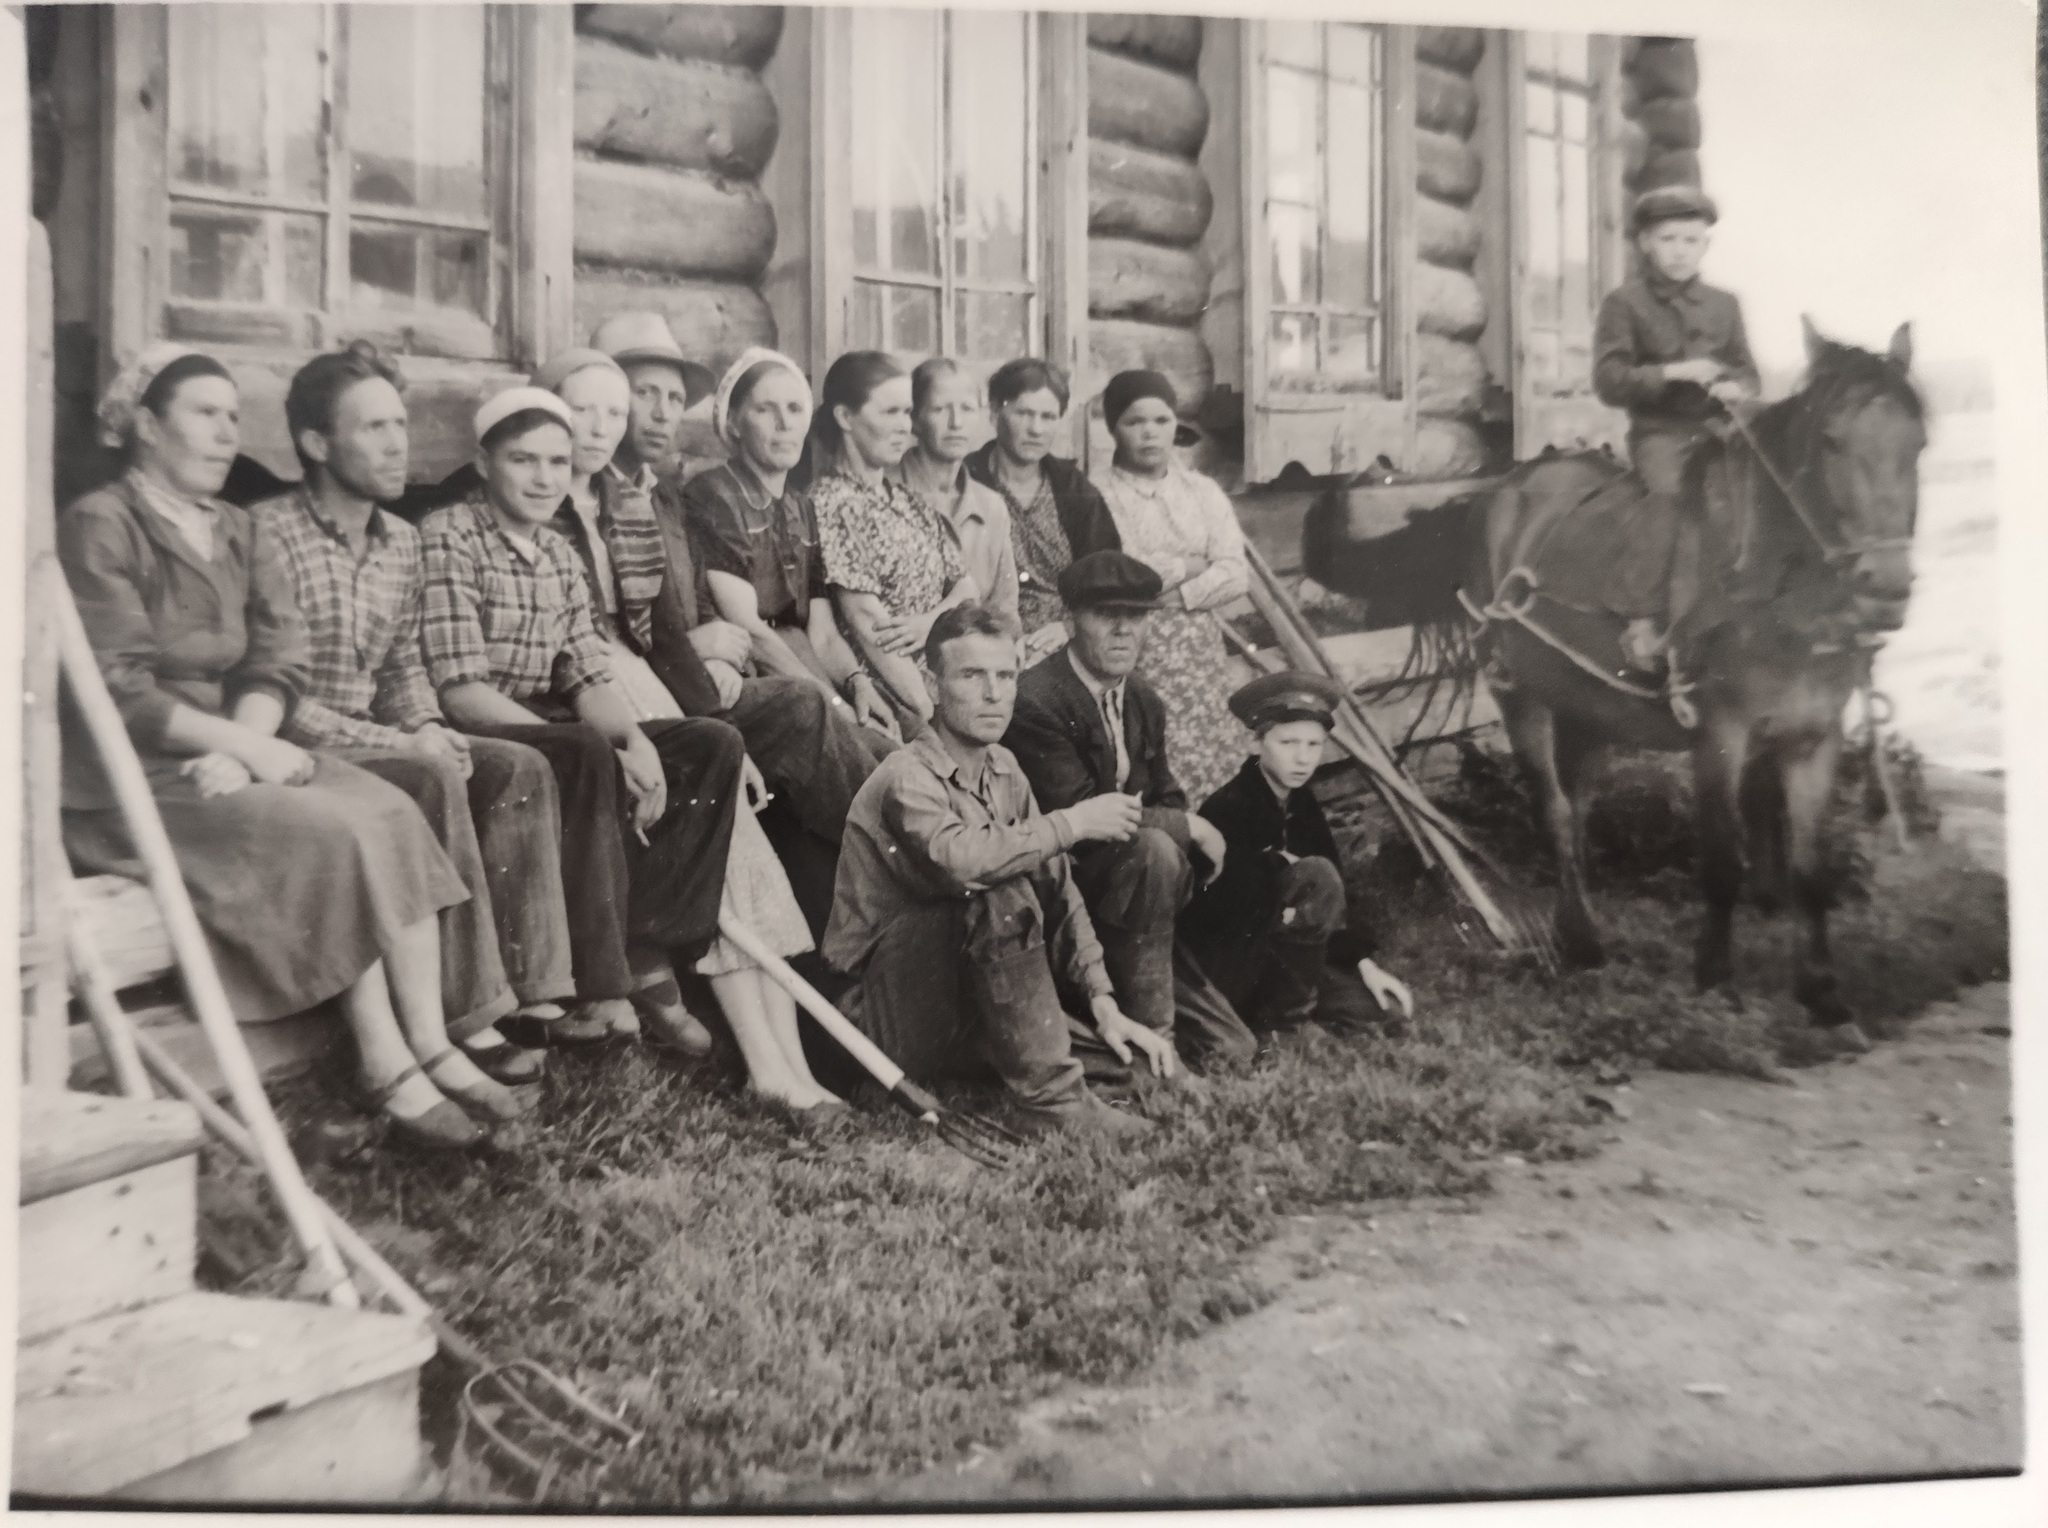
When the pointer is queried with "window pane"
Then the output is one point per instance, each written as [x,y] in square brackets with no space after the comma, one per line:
[1352,53]
[991,162]
[1539,355]
[383,266]
[1544,234]
[1297,280]
[880,317]
[894,148]
[1539,52]
[1348,277]
[1294,343]
[991,326]
[419,268]
[1295,42]
[1294,165]
[1539,108]
[416,107]
[1350,348]
[1575,114]
[1575,247]
[1572,56]
[246,94]
[248,257]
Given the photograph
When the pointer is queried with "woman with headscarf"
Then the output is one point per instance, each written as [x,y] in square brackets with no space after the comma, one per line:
[756,540]
[313,879]
[610,519]
[1182,525]
[891,560]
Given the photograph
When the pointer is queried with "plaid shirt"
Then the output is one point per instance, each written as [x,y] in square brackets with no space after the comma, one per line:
[368,685]
[518,621]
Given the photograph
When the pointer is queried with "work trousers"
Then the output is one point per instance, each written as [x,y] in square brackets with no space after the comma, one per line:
[620,893]
[810,751]
[507,945]
[1277,972]
[1134,891]
[1655,567]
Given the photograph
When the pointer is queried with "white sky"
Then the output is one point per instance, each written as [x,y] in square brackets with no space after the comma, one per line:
[1878,175]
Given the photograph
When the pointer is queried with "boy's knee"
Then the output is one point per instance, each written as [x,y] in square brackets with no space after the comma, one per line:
[1312,890]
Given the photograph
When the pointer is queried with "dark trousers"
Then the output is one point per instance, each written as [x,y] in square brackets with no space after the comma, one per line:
[1276,970]
[1653,567]
[961,989]
[618,892]
[499,830]
[1134,891]
[810,751]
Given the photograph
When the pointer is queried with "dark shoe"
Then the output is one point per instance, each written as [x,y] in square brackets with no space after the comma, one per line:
[516,1066]
[667,1022]
[577,1028]
[442,1128]
[1098,1118]
[490,1103]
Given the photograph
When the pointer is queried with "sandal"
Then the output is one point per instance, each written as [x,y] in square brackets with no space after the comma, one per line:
[491,1103]
[668,1022]
[442,1128]
[513,1065]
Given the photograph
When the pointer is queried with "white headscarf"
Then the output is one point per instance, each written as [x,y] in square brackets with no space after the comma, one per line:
[752,356]
[124,393]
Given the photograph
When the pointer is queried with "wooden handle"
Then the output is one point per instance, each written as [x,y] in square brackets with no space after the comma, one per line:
[836,1024]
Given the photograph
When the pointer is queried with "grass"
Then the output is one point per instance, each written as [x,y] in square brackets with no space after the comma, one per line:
[779,1305]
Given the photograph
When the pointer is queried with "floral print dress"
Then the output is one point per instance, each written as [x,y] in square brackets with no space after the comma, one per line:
[881,539]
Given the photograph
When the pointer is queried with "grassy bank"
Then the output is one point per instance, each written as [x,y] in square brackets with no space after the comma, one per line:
[774,1302]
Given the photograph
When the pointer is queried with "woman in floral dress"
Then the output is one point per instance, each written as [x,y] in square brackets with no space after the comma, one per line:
[1181,525]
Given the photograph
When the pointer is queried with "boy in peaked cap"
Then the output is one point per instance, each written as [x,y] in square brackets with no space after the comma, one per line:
[1273,931]
[1673,352]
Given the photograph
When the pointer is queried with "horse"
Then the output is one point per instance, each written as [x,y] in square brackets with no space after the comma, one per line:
[1805,517]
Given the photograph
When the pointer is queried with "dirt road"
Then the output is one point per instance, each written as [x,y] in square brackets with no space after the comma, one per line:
[1750,1282]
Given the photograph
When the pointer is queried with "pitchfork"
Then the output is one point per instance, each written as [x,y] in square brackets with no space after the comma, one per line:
[979,1140]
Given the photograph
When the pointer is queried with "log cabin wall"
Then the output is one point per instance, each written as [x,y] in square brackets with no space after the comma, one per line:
[1451,310]
[1660,85]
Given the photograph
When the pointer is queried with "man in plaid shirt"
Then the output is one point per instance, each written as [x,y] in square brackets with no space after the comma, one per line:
[358,573]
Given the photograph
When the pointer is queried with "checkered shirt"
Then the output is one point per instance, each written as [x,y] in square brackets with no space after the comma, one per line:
[368,684]
[520,623]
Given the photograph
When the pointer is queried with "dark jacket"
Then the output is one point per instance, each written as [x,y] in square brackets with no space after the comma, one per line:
[1648,321]
[1237,908]
[1058,735]
[1084,513]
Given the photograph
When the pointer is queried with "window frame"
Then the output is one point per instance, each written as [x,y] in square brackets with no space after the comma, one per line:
[1577,417]
[529,64]
[1338,429]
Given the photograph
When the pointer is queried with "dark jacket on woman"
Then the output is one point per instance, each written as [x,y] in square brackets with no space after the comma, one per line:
[1084,514]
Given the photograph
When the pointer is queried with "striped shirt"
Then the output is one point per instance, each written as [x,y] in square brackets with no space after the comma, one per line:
[368,684]
[515,617]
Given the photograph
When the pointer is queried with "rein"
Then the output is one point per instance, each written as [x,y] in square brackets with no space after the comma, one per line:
[1832,551]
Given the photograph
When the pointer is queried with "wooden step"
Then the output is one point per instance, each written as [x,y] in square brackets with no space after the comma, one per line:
[122,920]
[69,1140]
[285,1047]
[209,1398]
[108,1246]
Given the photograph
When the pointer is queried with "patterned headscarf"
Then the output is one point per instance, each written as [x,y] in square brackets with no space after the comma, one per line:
[752,356]
[125,393]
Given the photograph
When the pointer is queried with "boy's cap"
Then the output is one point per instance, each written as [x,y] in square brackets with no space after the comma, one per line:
[1109,580]
[1288,696]
[1668,204]
[516,400]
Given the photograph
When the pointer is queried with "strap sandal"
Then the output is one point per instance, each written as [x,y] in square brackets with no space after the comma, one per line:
[669,1023]
[442,1128]
[516,1066]
[485,1100]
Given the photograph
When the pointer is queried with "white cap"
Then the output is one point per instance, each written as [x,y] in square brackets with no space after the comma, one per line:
[517,400]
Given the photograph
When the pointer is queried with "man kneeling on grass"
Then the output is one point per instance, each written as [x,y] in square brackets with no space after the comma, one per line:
[955,909]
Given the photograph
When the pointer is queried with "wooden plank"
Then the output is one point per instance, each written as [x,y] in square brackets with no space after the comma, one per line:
[71,1139]
[359,1448]
[286,1048]
[543,253]
[1063,199]
[120,917]
[108,1246]
[110,1402]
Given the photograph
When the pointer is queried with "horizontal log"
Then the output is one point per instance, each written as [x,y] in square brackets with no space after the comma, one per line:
[1450,376]
[1123,344]
[1445,100]
[1446,448]
[1445,234]
[693,116]
[1175,41]
[1128,278]
[1140,194]
[741,35]
[1447,302]
[1666,66]
[713,321]
[1143,104]
[1631,93]
[678,222]
[1446,168]
[1458,48]
[1673,167]
[1636,150]
[1672,122]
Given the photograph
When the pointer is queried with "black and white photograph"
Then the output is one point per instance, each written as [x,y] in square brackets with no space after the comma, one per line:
[854,759]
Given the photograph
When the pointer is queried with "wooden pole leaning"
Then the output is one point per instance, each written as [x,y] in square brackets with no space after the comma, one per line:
[95,989]
[188,942]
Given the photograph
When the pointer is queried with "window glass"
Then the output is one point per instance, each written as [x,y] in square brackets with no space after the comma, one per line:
[991,161]
[1558,294]
[894,140]
[246,97]
[416,107]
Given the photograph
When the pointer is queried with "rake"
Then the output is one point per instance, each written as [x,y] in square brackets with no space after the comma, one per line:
[980,1140]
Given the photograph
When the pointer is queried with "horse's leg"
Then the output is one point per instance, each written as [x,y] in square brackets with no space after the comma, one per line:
[1717,765]
[1577,753]
[1809,780]
[1533,729]
[1763,813]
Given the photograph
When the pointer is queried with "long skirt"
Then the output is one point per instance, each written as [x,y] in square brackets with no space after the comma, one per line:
[1186,661]
[300,888]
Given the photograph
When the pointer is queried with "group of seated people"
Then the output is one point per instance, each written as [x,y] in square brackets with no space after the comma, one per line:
[493,763]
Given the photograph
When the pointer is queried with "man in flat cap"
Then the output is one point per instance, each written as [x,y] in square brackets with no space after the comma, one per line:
[1672,351]
[1089,727]
[1273,930]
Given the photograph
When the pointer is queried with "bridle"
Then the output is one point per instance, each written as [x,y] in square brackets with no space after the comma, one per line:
[1834,549]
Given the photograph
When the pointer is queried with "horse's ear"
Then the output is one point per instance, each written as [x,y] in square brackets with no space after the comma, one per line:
[1816,345]
[1901,352]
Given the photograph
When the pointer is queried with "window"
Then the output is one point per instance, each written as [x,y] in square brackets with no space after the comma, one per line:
[332,171]
[941,164]
[1325,95]
[1558,131]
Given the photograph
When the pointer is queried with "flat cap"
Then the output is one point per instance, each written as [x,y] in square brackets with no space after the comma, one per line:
[1288,696]
[1109,579]
[1667,204]
[517,400]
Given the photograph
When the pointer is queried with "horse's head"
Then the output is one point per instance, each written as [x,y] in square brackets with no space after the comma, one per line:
[1864,430]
